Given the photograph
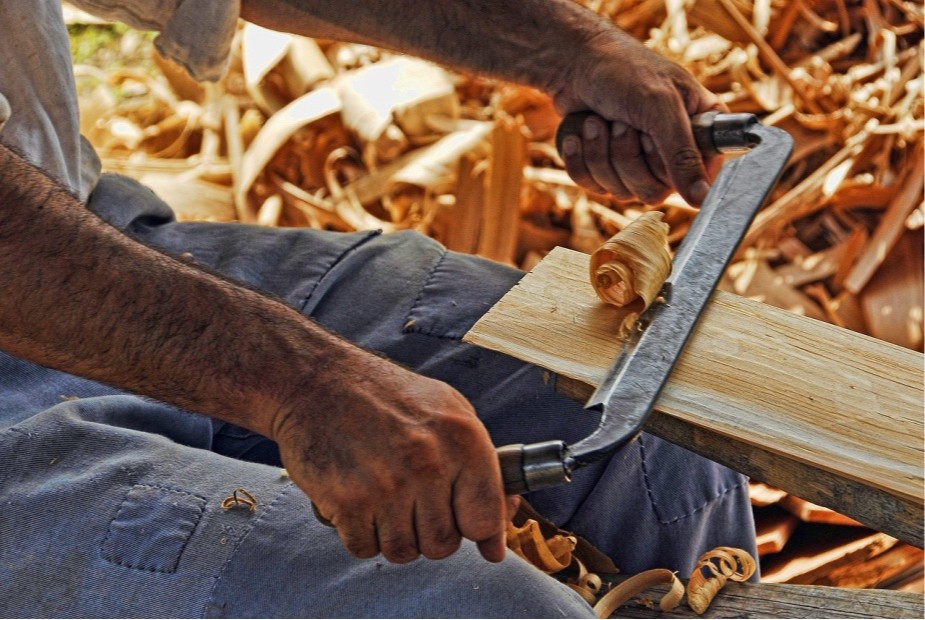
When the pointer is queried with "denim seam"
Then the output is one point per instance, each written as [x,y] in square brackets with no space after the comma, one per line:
[119,511]
[651,496]
[221,573]
[334,263]
[413,329]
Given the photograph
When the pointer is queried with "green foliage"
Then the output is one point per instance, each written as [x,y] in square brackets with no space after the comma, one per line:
[110,46]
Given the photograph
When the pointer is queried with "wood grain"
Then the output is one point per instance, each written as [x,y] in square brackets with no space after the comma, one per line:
[770,600]
[824,413]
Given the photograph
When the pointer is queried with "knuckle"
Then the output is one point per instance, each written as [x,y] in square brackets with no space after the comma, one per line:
[423,456]
[439,542]
[442,550]
[357,545]
[685,158]
[482,520]
[399,551]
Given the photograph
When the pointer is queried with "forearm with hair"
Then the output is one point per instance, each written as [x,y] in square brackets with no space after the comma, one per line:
[80,296]
[530,41]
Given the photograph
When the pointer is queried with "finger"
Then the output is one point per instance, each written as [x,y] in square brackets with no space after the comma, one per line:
[653,159]
[683,163]
[573,158]
[479,505]
[437,534]
[596,150]
[513,505]
[396,533]
[358,534]
[493,549]
[628,157]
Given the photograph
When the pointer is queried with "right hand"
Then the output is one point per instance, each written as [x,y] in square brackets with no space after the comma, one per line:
[398,463]
[638,142]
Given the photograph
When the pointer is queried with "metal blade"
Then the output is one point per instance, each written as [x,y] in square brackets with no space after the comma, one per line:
[634,382]
[631,388]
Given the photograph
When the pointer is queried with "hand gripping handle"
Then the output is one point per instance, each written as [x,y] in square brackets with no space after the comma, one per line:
[714,132]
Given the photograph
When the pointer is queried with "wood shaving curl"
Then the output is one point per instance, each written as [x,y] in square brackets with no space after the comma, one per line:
[631,267]
[549,555]
[554,554]
[240,498]
[713,569]
[640,583]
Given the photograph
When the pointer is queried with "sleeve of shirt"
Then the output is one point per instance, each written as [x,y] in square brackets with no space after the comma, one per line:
[195,33]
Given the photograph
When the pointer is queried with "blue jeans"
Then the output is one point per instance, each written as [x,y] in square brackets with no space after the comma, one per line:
[110,504]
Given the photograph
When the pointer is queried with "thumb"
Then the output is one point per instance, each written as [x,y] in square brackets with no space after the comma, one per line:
[685,165]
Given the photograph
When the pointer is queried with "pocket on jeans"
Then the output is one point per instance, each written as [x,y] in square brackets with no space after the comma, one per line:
[151,528]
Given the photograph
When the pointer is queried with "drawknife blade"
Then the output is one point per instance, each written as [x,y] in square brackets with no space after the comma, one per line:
[630,389]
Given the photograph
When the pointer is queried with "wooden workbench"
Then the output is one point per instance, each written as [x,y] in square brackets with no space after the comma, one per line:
[752,600]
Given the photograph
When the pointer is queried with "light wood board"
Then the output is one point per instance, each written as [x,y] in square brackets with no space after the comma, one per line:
[829,415]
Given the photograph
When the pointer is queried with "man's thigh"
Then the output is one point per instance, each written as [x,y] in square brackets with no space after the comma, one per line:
[103,520]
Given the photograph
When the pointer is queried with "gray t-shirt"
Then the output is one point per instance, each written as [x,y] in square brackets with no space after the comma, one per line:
[36,76]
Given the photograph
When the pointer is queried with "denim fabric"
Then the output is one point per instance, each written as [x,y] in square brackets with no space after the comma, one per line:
[115,500]
[100,520]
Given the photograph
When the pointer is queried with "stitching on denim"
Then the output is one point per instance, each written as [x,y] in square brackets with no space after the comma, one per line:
[645,476]
[113,560]
[221,573]
[414,329]
[334,263]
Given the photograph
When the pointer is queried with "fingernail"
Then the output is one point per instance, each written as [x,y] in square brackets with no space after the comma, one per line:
[592,130]
[617,129]
[570,145]
[699,191]
[647,145]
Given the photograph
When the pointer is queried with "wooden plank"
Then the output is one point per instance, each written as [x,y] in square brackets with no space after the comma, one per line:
[821,552]
[812,513]
[824,413]
[770,600]
[877,571]
[763,494]
[773,528]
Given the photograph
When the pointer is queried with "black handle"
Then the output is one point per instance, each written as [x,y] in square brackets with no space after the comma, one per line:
[714,132]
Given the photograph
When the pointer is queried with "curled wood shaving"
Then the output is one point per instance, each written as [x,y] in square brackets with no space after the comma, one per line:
[554,554]
[549,555]
[633,263]
[637,584]
[240,498]
[587,584]
[631,266]
[713,569]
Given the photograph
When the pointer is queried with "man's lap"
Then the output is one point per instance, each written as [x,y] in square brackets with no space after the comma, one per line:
[406,297]
[110,521]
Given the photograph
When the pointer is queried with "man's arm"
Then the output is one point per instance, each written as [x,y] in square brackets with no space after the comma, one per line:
[639,143]
[82,297]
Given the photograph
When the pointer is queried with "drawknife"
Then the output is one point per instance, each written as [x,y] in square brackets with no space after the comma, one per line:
[631,387]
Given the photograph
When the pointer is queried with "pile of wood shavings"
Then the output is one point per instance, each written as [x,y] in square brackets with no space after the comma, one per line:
[554,554]
[294,136]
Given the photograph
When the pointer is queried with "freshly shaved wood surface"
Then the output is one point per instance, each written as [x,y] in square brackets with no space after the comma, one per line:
[824,413]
